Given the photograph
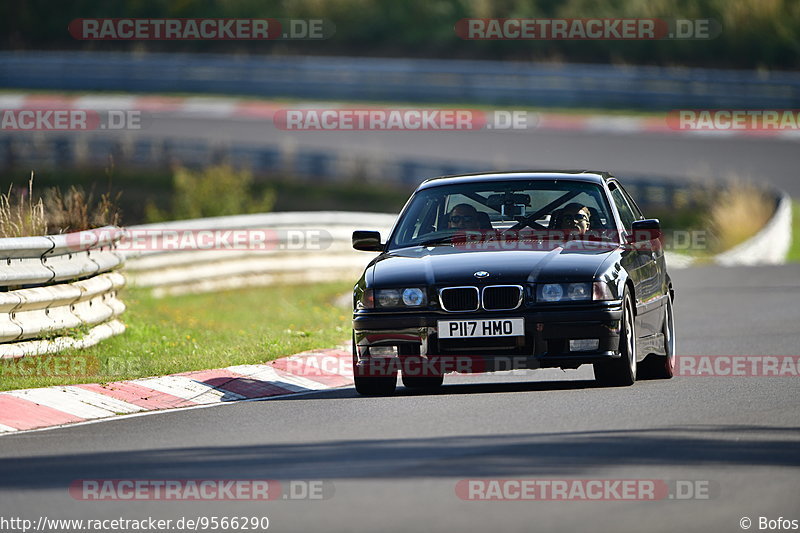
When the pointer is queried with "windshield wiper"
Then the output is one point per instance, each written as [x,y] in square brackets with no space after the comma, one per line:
[447,239]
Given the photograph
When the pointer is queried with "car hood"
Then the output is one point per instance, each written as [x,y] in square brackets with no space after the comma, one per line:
[448,265]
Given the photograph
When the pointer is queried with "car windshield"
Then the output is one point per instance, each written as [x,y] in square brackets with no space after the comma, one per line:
[438,215]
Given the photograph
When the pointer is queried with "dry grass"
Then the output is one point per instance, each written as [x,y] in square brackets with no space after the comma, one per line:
[76,210]
[22,214]
[737,213]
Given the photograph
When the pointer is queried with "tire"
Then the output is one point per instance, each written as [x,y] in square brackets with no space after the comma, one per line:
[369,384]
[427,383]
[375,386]
[663,366]
[418,373]
[621,372]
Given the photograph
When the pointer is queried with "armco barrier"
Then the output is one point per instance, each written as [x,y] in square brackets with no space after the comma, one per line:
[147,153]
[308,247]
[52,284]
[407,80]
[770,245]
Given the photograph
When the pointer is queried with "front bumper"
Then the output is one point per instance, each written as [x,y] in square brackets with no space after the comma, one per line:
[548,330]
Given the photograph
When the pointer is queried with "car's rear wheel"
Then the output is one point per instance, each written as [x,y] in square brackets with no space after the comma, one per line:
[663,366]
[370,380]
[621,372]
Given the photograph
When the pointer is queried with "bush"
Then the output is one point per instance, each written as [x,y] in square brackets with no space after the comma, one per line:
[737,213]
[214,191]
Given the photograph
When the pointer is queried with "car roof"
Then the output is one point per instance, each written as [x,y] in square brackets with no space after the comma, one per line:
[587,176]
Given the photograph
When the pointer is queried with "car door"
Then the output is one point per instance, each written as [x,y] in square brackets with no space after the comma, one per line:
[642,263]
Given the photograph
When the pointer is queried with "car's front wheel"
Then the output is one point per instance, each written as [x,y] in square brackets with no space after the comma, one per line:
[370,380]
[663,366]
[426,383]
[621,372]
[375,386]
[418,373]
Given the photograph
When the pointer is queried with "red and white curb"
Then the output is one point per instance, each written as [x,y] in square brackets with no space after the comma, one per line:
[28,409]
[226,107]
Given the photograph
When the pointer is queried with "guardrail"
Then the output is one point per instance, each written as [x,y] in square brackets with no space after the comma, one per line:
[59,292]
[291,247]
[770,245]
[417,80]
[73,151]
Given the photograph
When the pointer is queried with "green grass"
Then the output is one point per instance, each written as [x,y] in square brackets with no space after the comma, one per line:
[794,249]
[196,332]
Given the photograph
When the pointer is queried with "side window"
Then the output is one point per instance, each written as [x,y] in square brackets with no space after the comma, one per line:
[625,212]
[636,211]
[423,215]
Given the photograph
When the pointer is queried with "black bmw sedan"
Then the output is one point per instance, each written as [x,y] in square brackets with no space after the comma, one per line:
[517,270]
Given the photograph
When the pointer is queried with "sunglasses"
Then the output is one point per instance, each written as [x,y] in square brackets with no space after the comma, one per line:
[577,217]
[458,219]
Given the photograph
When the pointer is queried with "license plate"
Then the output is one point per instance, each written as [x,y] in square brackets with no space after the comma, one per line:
[494,327]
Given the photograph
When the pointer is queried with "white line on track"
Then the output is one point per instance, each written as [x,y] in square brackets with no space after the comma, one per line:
[188,389]
[267,373]
[77,401]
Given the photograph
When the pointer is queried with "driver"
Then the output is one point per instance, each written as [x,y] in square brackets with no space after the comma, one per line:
[574,218]
[464,217]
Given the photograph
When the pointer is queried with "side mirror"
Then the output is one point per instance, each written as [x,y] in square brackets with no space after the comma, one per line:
[367,241]
[645,231]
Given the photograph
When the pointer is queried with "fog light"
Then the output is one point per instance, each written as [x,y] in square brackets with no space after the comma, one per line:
[584,345]
[383,351]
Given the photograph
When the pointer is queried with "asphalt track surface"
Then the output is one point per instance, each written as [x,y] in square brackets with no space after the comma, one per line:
[394,463]
[697,156]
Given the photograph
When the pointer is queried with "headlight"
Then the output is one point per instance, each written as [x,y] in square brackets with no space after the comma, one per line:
[564,292]
[551,292]
[387,297]
[413,297]
[393,298]
[579,291]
